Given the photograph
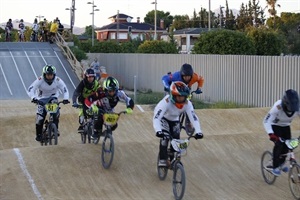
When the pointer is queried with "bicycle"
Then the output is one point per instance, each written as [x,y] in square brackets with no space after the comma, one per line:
[88,126]
[174,163]
[50,132]
[294,167]
[107,154]
[184,120]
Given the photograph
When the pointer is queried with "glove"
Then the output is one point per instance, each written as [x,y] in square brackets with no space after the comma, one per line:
[273,137]
[129,110]
[162,135]
[198,136]
[75,105]
[198,91]
[34,100]
[66,101]
[94,109]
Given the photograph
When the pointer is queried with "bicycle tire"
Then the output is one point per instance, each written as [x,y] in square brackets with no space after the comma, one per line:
[294,180]
[52,134]
[90,132]
[162,172]
[178,181]
[83,137]
[108,150]
[267,160]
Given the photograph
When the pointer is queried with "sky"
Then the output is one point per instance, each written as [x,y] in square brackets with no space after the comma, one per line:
[50,9]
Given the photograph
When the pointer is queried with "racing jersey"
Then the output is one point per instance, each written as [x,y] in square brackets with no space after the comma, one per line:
[41,89]
[82,92]
[276,116]
[101,99]
[165,108]
[167,80]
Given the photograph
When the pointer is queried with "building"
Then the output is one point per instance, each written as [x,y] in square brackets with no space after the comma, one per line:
[121,25]
[185,38]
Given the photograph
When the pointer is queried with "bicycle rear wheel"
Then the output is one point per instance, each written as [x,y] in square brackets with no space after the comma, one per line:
[266,166]
[161,171]
[108,150]
[52,134]
[294,180]
[178,181]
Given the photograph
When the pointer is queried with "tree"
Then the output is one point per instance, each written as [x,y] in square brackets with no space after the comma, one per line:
[272,10]
[150,16]
[157,47]
[224,42]
[266,41]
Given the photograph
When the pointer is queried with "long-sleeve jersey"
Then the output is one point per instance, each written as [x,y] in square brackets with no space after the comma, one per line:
[168,79]
[165,108]
[82,92]
[276,116]
[101,99]
[41,89]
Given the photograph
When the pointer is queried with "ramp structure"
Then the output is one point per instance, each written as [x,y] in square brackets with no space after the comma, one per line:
[21,63]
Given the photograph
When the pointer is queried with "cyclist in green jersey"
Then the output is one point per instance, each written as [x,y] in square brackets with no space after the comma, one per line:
[86,87]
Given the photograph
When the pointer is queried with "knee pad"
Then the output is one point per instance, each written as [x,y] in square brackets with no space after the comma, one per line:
[164,143]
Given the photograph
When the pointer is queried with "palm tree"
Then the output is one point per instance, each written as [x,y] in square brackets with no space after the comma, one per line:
[272,4]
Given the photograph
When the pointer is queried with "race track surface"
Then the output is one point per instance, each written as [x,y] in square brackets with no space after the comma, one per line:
[224,165]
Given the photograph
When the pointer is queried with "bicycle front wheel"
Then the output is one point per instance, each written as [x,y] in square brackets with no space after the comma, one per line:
[108,149]
[52,134]
[266,166]
[294,180]
[178,181]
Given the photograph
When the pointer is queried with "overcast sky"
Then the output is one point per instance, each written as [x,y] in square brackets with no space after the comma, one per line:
[50,9]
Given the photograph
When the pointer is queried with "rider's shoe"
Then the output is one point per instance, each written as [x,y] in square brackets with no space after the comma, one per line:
[276,171]
[95,135]
[285,169]
[38,137]
[80,129]
[162,163]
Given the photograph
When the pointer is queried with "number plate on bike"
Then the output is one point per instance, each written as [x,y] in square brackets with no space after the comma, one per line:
[110,118]
[51,107]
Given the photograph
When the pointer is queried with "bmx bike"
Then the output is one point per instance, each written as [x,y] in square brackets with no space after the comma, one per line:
[174,163]
[294,167]
[185,121]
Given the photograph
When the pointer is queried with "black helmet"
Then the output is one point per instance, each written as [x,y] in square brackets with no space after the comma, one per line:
[49,69]
[9,20]
[21,20]
[89,73]
[290,101]
[186,70]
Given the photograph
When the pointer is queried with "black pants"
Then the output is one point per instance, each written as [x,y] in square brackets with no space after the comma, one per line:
[280,147]
[172,128]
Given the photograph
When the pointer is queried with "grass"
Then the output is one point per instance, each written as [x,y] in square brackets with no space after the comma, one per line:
[154,97]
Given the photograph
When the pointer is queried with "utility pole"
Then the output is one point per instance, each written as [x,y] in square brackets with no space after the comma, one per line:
[93,13]
[155,19]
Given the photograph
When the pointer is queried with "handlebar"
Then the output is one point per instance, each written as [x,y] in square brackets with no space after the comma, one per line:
[168,136]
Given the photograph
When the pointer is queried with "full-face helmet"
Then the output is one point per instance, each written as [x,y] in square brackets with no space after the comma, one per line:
[49,69]
[186,70]
[290,101]
[179,93]
[88,82]
[111,85]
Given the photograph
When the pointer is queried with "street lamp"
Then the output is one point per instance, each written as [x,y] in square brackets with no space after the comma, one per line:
[221,7]
[155,21]
[39,16]
[72,17]
[209,15]
[93,13]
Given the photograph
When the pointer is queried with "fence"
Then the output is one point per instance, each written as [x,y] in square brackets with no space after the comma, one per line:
[251,80]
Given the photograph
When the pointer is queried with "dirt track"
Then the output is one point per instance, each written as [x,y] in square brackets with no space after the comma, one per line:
[224,165]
